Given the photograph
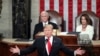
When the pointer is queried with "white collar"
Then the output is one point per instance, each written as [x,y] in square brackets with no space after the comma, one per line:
[49,37]
[45,23]
[51,40]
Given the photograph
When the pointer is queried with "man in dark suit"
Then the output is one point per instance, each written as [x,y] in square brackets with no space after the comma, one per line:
[47,45]
[44,18]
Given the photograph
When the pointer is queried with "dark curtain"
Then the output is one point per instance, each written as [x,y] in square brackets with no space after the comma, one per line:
[21,18]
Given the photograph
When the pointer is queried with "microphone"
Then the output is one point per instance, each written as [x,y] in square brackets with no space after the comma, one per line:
[46,40]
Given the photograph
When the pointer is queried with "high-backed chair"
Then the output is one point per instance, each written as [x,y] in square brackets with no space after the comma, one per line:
[55,18]
[94,22]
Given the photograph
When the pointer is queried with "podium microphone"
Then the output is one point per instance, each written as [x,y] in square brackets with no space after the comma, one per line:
[46,40]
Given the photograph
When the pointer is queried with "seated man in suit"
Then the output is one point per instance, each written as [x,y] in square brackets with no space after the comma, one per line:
[47,45]
[44,17]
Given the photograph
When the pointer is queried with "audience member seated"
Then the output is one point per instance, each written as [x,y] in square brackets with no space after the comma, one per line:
[85,26]
[94,21]
[44,20]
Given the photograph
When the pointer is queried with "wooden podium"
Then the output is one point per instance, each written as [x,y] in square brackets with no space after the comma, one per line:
[69,40]
[66,38]
[5,45]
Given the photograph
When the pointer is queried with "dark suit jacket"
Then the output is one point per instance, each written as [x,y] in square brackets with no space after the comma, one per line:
[39,45]
[39,28]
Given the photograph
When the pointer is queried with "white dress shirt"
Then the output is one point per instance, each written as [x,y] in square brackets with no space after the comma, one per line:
[45,23]
[51,40]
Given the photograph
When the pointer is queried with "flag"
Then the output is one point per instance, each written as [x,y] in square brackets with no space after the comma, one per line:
[69,9]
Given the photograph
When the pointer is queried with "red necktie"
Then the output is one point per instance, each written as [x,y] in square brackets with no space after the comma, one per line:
[49,45]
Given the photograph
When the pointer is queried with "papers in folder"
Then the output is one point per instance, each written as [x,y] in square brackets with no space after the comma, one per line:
[63,33]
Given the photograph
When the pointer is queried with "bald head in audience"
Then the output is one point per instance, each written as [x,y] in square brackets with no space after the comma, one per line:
[44,16]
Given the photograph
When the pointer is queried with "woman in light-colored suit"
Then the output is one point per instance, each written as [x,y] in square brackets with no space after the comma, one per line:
[85,26]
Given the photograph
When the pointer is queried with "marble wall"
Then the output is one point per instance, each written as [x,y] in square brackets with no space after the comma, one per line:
[6,17]
[34,14]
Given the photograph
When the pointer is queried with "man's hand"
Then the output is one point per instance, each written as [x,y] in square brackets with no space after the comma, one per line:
[79,51]
[15,50]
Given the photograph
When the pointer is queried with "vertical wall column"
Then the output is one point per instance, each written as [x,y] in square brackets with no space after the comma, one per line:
[21,18]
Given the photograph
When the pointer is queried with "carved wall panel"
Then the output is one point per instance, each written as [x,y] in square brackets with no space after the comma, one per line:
[21,18]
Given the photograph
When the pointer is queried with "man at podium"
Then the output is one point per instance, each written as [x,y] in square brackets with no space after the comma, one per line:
[47,45]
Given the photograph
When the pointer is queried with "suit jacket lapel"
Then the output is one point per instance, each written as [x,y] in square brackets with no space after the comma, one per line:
[41,24]
[44,45]
[49,22]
